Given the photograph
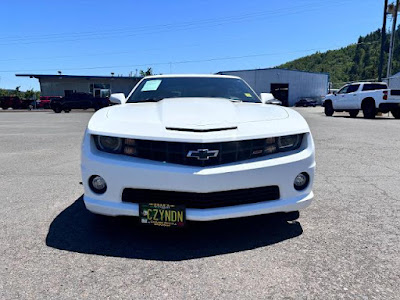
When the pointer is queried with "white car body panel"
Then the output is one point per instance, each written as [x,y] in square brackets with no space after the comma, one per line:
[149,121]
[144,120]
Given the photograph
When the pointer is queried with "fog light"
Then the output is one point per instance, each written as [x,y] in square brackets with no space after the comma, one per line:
[301,181]
[97,184]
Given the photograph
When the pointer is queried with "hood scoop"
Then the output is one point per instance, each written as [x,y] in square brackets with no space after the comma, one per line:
[201,130]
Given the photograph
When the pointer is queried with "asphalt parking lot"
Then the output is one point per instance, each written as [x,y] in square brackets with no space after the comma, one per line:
[345,246]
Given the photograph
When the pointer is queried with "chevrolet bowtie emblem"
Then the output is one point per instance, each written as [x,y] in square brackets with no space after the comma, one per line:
[203,154]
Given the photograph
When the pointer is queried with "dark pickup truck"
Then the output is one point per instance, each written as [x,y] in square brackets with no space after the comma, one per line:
[78,101]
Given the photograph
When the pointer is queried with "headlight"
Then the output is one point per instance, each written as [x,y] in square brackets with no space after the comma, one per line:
[289,142]
[109,143]
[115,145]
[278,144]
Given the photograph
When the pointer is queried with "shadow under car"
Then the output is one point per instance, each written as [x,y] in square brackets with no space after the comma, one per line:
[76,229]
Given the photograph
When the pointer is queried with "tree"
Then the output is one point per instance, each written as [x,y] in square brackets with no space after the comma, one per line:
[3,92]
[352,63]
[146,73]
[30,94]
[17,92]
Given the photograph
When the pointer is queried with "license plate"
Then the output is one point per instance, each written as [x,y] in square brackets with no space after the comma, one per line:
[166,215]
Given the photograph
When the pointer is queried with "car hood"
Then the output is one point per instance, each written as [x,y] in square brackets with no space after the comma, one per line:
[196,113]
[188,119]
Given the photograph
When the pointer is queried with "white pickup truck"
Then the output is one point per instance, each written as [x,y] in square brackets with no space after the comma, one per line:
[370,97]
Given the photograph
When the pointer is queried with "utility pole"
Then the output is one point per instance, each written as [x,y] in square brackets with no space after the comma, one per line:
[383,40]
[392,37]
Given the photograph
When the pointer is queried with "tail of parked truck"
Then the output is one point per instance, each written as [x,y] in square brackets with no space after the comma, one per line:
[368,97]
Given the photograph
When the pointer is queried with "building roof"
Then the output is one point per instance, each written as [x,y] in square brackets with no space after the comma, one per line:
[38,76]
[268,69]
[395,75]
[192,75]
[124,77]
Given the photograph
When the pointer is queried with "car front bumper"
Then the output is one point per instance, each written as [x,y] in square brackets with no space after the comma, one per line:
[122,172]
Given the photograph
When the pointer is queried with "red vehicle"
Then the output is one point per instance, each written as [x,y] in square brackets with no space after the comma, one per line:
[44,101]
[10,101]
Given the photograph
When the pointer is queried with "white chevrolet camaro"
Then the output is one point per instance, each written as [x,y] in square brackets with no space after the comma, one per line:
[196,147]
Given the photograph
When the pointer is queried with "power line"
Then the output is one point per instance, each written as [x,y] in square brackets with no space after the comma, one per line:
[146,50]
[122,52]
[180,62]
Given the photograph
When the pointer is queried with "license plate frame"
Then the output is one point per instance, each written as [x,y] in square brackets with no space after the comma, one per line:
[163,215]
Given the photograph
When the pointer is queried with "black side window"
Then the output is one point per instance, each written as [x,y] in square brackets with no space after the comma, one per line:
[353,88]
[367,87]
[374,86]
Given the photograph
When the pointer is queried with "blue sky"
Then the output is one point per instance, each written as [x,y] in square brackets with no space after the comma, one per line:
[99,37]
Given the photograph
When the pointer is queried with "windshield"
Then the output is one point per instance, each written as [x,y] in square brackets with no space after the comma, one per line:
[156,89]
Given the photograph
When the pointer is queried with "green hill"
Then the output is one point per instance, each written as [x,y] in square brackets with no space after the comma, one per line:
[354,62]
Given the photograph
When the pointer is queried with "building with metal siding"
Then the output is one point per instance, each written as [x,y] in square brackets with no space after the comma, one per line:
[393,81]
[289,86]
[99,86]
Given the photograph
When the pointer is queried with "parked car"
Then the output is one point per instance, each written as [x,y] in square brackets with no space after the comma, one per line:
[44,101]
[78,101]
[370,97]
[10,101]
[15,102]
[27,104]
[305,102]
[196,147]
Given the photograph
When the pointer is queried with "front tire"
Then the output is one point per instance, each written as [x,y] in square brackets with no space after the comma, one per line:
[57,109]
[329,109]
[396,113]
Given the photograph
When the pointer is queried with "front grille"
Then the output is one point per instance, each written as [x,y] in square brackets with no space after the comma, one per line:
[202,200]
[175,152]
[201,154]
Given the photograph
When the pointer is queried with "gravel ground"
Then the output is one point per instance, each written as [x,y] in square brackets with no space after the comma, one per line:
[344,246]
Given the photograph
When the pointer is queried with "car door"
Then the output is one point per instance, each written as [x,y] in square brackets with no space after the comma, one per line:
[72,101]
[339,101]
[352,98]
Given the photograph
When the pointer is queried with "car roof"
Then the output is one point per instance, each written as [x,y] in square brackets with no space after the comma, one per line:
[192,75]
[368,82]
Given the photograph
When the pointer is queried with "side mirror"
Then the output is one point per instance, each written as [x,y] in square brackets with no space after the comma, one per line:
[265,97]
[335,93]
[118,98]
